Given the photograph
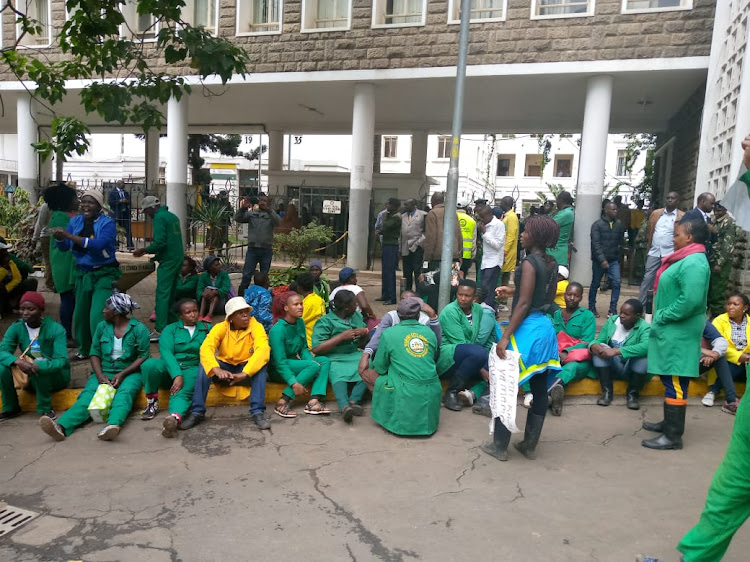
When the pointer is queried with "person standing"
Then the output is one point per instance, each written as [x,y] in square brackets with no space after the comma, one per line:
[260,226]
[493,251]
[433,233]
[119,202]
[412,238]
[659,240]
[721,259]
[469,238]
[606,244]
[565,217]
[510,220]
[679,319]
[167,248]
[390,231]
[704,206]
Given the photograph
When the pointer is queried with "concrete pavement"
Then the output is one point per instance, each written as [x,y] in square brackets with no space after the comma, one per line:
[314,489]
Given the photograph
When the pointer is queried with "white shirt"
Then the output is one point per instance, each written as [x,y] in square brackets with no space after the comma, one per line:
[35,351]
[493,244]
[117,349]
[620,335]
[356,289]
[191,330]
[662,242]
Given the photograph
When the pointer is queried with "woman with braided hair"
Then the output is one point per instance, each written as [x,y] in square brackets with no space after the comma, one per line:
[119,348]
[530,331]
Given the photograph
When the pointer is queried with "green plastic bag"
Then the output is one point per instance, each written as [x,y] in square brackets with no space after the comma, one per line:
[102,402]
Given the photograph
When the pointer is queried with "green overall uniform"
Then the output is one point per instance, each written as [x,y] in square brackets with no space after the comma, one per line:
[487,337]
[728,501]
[582,326]
[186,287]
[167,248]
[93,288]
[565,220]
[323,291]
[222,284]
[54,370]
[292,362]
[180,357]
[344,357]
[456,330]
[406,397]
[135,345]
[62,263]
[722,257]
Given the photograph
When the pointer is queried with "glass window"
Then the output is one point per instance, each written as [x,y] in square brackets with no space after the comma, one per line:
[563,165]
[444,147]
[481,10]
[390,144]
[506,164]
[201,13]
[533,166]
[325,14]
[398,13]
[562,8]
[655,5]
[259,16]
[39,11]
[137,26]
[622,161]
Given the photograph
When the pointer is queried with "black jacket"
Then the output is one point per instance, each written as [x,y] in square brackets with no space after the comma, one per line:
[606,241]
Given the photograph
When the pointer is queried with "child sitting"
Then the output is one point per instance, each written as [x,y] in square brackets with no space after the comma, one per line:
[260,298]
[213,288]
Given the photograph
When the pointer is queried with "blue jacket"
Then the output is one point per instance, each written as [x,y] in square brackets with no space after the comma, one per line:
[100,250]
[260,299]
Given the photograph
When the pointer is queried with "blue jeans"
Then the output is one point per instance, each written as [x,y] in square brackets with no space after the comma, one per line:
[726,374]
[255,255]
[388,279]
[257,384]
[490,277]
[67,306]
[468,360]
[622,368]
[613,274]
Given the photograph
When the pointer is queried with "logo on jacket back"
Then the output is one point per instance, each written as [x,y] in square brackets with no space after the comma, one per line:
[416,345]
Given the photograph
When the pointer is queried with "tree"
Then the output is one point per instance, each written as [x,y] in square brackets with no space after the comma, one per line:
[638,143]
[126,86]
[226,145]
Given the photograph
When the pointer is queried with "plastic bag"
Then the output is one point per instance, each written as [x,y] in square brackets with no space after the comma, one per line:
[102,402]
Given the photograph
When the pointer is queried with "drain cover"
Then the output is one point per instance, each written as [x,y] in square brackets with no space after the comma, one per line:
[11,518]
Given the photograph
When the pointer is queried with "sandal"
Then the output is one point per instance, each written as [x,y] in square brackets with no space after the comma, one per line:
[315,407]
[284,410]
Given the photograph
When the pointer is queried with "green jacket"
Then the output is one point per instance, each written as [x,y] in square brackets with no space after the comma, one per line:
[63,263]
[186,287]
[487,334]
[679,318]
[565,220]
[331,325]
[406,397]
[581,325]
[288,341]
[323,291]
[52,342]
[180,351]
[635,345]
[222,283]
[135,345]
[167,244]
[457,330]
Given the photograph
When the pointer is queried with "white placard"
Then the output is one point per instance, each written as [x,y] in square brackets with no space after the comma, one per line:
[331,207]
[504,388]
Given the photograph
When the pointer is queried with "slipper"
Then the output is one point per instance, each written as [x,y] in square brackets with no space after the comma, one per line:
[78,357]
[315,407]
[282,409]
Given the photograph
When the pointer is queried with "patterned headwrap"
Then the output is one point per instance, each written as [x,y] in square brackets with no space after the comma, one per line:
[121,303]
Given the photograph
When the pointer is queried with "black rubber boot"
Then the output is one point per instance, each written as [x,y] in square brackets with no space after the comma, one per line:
[605,379]
[450,398]
[634,390]
[656,427]
[673,426]
[498,448]
[531,434]
[556,397]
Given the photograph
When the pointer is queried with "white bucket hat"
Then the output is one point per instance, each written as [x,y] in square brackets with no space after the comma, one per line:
[234,304]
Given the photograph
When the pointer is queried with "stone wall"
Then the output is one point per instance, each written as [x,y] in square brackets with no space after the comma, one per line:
[607,35]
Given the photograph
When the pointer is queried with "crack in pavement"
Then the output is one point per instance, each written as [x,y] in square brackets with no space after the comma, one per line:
[461,491]
[519,493]
[468,468]
[608,439]
[17,472]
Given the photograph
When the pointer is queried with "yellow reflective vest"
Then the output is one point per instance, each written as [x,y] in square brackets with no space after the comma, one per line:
[468,233]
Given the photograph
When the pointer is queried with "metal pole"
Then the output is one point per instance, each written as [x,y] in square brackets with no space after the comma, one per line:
[451,194]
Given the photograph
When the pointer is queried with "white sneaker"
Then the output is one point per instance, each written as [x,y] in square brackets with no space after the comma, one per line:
[154,336]
[528,399]
[708,399]
[466,398]
[109,433]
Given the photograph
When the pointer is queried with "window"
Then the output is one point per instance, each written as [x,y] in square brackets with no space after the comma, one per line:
[622,162]
[563,165]
[326,15]
[561,8]
[506,165]
[533,167]
[390,145]
[201,13]
[138,26]
[444,147]
[40,12]
[258,16]
[481,10]
[641,6]
[398,13]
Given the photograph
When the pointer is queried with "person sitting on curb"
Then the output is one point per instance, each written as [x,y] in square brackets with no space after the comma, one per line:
[176,369]
[292,362]
[735,328]
[43,345]
[187,283]
[321,286]
[348,279]
[213,288]
[620,349]
[313,305]
[260,299]
[488,330]
[120,347]
[406,394]
[338,336]
[233,356]
[714,356]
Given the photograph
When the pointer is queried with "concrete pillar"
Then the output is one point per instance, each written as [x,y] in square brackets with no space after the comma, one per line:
[419,153]
[152,158]
[363,130]
[45,172]
[275,151]
[177,159]
[591,172]
[28,160]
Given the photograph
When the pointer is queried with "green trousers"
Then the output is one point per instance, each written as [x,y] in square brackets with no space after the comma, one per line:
[344,397]
[167,275]
[728,500]
[717,290]
[156,376]
[43,386]
[306,372]
[93,288]
[118,413]
[478,389]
